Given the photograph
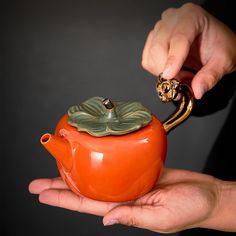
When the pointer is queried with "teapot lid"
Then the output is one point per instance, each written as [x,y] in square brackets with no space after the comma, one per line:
[100,116]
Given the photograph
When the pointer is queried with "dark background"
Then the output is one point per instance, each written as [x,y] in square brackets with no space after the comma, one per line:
[59,53]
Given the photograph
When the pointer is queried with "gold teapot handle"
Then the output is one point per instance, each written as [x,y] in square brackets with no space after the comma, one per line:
[167,91]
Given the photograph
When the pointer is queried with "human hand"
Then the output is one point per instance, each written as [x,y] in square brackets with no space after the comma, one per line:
[191,37]
[181,200]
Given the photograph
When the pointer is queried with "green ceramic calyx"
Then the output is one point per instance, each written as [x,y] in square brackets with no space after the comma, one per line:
[101,117]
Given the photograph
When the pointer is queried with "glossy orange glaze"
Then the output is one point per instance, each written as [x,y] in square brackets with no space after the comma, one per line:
[110,168]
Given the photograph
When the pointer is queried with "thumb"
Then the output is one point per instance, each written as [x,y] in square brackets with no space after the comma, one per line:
[207,78]
[129,215]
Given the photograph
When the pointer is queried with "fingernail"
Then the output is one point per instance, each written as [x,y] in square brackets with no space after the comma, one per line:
[166,71]
[110,222]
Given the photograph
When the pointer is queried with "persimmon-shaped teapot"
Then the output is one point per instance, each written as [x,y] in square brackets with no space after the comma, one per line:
[113,150]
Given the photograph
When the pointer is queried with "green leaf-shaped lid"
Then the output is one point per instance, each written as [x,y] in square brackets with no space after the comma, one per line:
[101,117]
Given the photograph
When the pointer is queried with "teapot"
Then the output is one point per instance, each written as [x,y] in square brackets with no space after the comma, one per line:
[115,150]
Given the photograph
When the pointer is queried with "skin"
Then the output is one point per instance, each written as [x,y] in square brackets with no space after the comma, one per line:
[182,199]
[190,37]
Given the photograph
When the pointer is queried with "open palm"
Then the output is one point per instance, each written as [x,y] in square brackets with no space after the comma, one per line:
[181,199]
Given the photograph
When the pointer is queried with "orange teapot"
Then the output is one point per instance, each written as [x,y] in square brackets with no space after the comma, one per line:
[113,150]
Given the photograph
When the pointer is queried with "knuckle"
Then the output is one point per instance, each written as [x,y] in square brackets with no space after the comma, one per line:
[79,205]
[130,218]
[157,25]
[196,11]
[178,35]
[167,12]
[211,80]
[191,6]
[131,222]
[159,45]
[61,198]
[181,37]
[171,59]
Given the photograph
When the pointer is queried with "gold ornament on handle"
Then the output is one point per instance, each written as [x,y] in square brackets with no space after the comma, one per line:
[167,91]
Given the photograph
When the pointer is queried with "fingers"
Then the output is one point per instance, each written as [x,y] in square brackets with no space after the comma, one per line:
[146,49]
[188,25]
[39,185]
[66,199]
[55,192]
[179,48]
[168,46]
[207,78]
[154,54]
[180,38]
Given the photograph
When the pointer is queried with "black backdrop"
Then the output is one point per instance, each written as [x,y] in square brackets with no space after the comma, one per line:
[59,53]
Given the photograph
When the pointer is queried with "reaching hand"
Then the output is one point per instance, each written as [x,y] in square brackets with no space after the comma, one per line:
[181,200]
[191,37]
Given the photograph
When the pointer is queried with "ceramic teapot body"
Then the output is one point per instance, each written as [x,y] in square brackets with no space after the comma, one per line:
[112,167]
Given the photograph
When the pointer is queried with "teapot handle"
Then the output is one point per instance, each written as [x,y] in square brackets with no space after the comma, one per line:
[167,91]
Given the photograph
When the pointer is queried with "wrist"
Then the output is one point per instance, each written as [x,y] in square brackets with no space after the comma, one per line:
[222,216]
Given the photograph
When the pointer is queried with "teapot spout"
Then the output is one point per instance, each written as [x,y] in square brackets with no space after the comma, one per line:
[59,148]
